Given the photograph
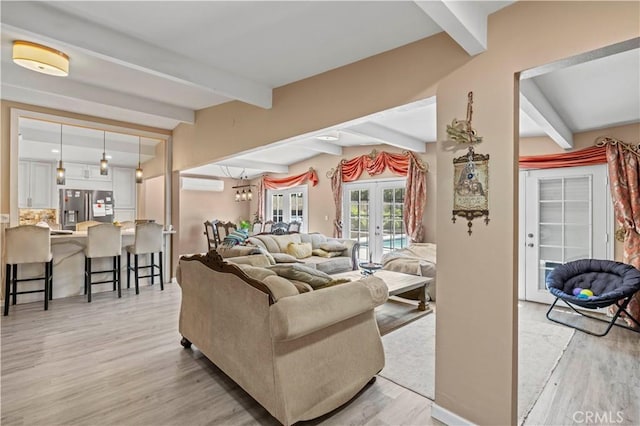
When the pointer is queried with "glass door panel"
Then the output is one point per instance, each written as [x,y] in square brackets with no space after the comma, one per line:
[359,220]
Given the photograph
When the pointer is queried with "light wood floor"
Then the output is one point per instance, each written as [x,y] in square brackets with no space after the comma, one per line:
[118,362]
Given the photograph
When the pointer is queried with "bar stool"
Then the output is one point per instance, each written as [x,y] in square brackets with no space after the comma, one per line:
[27,244]
[148,240]
[104,240]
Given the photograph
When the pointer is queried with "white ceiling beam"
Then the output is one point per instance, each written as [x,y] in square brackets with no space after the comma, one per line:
[255,165]
[11,76]
[387,136]
[55,26]
[81,106]
[53,138]
[322,147]
[464,21]
[535,104]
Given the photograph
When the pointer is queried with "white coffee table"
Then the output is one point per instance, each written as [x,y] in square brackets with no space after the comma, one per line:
[397,282]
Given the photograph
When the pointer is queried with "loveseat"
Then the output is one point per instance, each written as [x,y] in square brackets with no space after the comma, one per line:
[342,259]
[299,355]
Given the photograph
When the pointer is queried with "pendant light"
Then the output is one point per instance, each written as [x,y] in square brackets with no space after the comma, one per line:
[104,164]
[139,169]
[60,172]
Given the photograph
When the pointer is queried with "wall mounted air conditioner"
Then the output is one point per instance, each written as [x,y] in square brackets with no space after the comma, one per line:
[201,184]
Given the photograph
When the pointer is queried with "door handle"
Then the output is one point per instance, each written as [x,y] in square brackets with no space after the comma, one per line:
[530,235]
[530,245]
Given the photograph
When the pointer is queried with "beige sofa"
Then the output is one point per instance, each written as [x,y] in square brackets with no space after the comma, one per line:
[294,356]
[346,261]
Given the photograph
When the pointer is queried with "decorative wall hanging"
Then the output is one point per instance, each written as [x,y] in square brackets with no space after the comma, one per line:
[470,172]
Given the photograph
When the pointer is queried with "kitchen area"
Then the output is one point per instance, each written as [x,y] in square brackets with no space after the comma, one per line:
[69,172]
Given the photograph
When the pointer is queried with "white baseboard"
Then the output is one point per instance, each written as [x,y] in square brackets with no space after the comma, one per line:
[447,417]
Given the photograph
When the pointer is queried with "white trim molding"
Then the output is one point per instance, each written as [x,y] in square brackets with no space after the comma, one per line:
[447,417]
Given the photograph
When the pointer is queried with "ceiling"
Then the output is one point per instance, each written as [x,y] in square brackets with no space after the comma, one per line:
[155,63]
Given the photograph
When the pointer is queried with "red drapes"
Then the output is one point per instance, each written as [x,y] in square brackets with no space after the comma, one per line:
[406,164]
[583,157]
[289,181]
[374,165]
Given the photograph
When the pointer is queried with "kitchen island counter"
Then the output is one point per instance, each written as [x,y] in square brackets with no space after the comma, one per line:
[68,267]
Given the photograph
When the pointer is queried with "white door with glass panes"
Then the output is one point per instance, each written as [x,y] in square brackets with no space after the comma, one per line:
[567,216]
[373,215]
[288,205]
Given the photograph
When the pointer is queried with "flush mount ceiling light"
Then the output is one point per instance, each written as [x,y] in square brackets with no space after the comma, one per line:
[40,58]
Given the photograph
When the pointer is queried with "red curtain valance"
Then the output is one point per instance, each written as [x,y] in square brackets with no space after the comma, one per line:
[374,164]
[583,157]
[289,181]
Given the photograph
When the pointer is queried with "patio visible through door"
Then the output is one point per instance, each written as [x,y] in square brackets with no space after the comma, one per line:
[373,215]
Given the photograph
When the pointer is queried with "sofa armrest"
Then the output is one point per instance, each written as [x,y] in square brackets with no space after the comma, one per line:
[297,316]
[253,259]
[351,251]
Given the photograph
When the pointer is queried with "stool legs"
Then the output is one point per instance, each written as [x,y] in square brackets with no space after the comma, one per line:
[11,285]
[7,290]
[115,275]
[153,262]
[161,272]
[128,270]
[135,272]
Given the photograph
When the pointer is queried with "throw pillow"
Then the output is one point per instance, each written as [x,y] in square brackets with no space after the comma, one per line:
[280,287]
[256,272]
[324,253]
[336,282]
[264,251]
[284,258]
[333,246]
[303,273]
[299,250]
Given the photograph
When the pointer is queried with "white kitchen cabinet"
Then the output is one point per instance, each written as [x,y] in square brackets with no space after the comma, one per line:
[36,185]
[79,171]
[124,188]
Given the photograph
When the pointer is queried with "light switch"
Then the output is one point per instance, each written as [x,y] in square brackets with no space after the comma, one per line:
[4,218]
[326,217]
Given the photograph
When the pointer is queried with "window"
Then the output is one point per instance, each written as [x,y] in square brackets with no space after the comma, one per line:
[288,205]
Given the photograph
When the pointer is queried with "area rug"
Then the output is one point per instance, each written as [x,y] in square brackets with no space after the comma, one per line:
[396,313]
[410,358]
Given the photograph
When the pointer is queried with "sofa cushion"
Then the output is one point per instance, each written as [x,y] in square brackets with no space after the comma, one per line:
[333,246]
[253,260]
[234,251]
[255,272]
[334,265]
[324,253]
[267,241]
[299,250]
[284,240]
[284,258]
[317,239]
[280,287]
[303,273]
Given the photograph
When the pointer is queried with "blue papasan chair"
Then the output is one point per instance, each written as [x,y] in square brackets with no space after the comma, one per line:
[612,283]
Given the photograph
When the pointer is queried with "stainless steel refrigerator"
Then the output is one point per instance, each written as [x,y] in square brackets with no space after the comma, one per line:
[80,205]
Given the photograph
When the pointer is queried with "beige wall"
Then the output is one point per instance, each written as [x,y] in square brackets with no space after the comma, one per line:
[151,193]
[321,203]
[198,206]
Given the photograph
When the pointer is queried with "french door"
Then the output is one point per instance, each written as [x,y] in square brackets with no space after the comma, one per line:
[288,205]
[373,215]
[566,214]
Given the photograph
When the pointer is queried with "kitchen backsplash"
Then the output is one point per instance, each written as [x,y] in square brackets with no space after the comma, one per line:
[33,216]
